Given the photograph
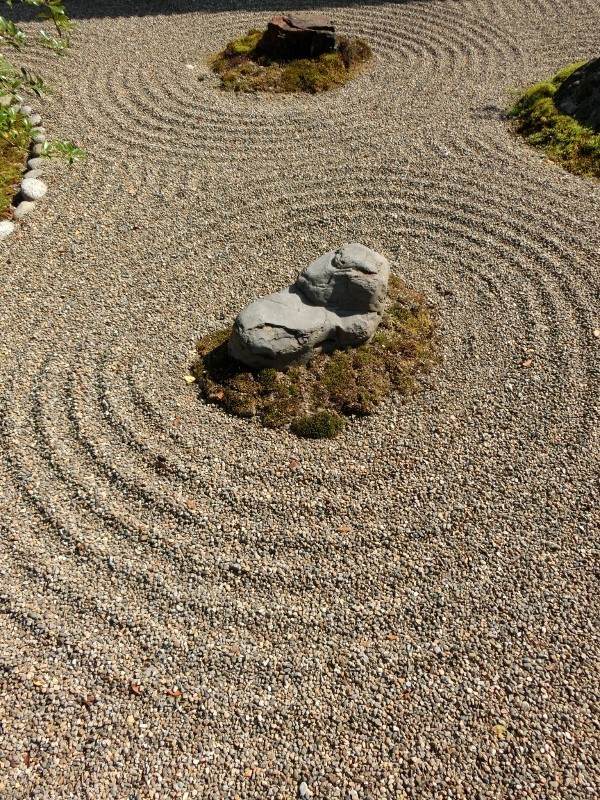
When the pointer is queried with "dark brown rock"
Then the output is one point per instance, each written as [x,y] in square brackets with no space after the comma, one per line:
[579,95]
[289,37]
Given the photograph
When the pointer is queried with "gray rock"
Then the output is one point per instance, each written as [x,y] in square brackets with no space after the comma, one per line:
[26,110]
[579,95]
[353,278]
[5,101]
[304,791]
[335,303]
[38,137]
[24,208]
[33,189]
[35,163]
[37,149]
[34,173]
[35,119]
[6,228]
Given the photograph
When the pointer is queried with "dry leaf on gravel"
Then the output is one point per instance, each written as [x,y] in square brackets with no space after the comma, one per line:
[88,700]
[135,688]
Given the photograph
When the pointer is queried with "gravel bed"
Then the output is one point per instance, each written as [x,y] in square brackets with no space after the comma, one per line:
[195,607]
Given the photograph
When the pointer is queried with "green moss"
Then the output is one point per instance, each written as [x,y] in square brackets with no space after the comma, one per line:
[565,73]
[322,425]
[244,68]
[244,45]
[343,383]
[560,136]
[14,143]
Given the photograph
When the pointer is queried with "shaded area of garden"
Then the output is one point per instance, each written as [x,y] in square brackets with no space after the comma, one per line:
[90,9]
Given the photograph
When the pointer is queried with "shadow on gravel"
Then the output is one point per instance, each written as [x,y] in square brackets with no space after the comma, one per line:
[490,112]
[89,9]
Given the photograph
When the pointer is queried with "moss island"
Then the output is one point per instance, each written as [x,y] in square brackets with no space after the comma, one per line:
[313,399]
[563,139]
[244,66]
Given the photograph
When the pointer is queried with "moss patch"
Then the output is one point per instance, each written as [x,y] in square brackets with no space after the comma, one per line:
[243,68]
[14,143]
[561,137]
[314,399]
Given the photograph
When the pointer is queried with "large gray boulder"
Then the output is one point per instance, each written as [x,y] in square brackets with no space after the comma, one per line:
[336,302]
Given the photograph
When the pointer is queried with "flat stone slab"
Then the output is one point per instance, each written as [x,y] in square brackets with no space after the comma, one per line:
[335,303]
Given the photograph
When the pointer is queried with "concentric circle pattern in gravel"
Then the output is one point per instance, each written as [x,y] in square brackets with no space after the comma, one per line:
[195,607]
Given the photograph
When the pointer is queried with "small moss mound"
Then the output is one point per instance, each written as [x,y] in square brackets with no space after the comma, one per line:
[322,425]
[313,399]
[243,67]
[560,136]
[14,142]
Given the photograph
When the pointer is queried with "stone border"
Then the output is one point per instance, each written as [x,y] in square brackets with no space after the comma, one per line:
[31,188]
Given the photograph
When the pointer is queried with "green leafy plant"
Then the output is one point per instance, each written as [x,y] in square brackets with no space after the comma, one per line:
[15,81]
[562,138]
[244,67]
[313,399]
[65,150]
[52,11]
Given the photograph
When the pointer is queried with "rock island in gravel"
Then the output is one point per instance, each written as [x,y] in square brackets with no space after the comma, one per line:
[561,116]
[330,345]
[336,302]
[293,55]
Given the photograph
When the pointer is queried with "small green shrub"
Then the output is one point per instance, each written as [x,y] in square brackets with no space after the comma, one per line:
[559,135]
[243,67]
[316,396]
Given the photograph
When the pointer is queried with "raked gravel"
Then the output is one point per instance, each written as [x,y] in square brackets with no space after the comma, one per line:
[196,607]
